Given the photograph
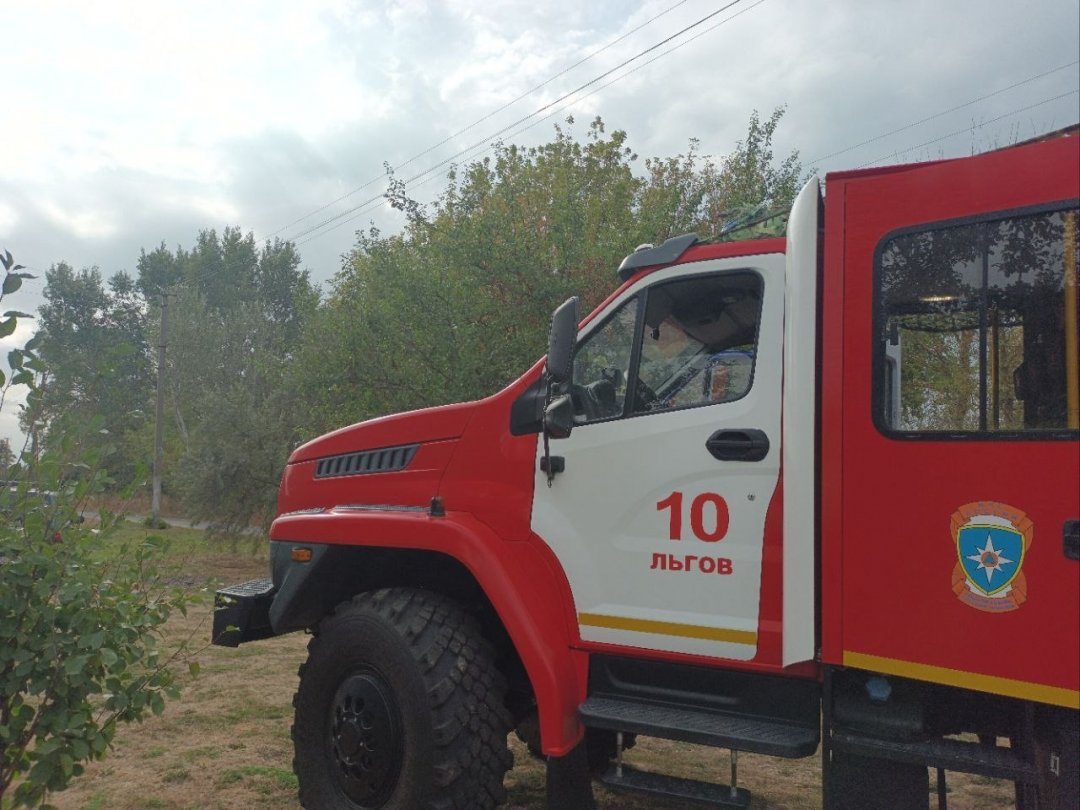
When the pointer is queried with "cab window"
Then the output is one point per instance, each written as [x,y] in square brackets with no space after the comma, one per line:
[698,342]
[976,323]
[679,344]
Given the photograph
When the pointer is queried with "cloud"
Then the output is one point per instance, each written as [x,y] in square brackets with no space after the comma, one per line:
[144,123]
[135,124]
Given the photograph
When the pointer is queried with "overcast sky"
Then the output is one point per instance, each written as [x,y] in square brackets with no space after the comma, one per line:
[126,124]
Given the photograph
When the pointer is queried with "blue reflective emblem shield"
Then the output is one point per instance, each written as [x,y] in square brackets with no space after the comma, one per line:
[991,556]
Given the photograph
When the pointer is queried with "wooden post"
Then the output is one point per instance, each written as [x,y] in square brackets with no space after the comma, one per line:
[159,423]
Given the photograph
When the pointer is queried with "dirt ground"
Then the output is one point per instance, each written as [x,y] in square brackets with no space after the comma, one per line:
[225,744]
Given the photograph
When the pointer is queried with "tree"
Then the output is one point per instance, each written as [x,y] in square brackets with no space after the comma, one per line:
[459,303]
[236,314]
[93,342]
[7,455]
[692,193]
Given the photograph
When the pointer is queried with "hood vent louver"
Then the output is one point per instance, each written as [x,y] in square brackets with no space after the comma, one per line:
[387,459]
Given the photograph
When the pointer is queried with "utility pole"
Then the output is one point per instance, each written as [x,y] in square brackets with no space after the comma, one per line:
[159,423]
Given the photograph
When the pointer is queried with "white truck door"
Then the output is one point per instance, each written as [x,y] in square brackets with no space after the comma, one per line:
[659,515]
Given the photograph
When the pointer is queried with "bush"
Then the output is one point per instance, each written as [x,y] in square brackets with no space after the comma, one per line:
[79,624]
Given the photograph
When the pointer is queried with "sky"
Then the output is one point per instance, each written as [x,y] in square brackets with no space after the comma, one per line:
[130,124]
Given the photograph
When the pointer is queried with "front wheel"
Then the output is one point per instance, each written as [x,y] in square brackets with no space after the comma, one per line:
[400,707]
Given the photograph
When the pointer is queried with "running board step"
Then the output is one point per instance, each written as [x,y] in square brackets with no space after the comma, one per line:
[672,787]
[756,735]
[951,755]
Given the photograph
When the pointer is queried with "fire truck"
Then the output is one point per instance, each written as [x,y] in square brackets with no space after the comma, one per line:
[771,496]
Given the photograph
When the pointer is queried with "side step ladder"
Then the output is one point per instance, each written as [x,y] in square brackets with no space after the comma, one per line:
[631,780]
[700,726]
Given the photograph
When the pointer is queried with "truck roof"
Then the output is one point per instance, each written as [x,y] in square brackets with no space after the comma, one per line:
[688,248]
[1071,131]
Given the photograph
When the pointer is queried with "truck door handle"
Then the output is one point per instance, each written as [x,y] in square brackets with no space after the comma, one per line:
[741,444]
[1070,540]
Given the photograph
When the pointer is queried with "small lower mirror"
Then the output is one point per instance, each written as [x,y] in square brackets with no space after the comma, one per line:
[559,417]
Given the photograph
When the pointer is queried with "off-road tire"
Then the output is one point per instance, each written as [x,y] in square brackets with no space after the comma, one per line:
[400,707]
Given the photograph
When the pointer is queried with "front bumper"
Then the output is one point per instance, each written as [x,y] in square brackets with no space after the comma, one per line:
[242,613]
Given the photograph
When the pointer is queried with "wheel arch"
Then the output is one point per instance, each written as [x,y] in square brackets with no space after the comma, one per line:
[510,587]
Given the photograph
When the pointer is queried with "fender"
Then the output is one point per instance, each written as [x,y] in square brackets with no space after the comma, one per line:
[529,593]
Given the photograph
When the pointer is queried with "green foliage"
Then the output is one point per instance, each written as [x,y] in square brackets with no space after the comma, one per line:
[236,312]
[691,193]
[79,629]
[93,343]
[459,304]
[13,280]
[78,648]
[450,309]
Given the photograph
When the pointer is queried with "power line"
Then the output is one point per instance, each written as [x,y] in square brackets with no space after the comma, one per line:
[353,213]
[536,112]
[892,155]
[374,202]
[910,149]
[365,206]
[945,112]
[490,115]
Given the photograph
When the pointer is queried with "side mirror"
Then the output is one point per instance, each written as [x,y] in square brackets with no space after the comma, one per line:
[561,342]
[559,417]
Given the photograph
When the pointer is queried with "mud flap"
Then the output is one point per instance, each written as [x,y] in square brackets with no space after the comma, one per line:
[854,782]
[569,784]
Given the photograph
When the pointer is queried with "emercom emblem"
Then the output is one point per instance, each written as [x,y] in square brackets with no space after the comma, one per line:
[992,540]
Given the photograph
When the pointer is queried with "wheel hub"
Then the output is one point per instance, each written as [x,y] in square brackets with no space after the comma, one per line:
[365,739]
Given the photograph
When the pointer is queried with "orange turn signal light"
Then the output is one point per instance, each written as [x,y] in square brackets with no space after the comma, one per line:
[301,555]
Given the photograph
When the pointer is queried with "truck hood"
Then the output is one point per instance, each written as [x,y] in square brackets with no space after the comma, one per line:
[413,427]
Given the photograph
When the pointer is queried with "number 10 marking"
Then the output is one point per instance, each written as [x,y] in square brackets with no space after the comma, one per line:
[720,517]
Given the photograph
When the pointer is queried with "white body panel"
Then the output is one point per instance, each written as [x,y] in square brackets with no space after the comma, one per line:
[800,420]
[601,519]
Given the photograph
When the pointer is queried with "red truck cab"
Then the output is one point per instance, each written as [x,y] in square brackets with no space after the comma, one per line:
[770,495]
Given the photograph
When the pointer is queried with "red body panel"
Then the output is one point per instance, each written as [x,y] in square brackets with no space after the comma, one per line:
[887,549]
[491,474]
[427,425]
[414,486]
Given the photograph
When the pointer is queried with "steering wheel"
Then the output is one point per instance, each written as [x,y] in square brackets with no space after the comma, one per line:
[595,400]
[585,403]
[645,398]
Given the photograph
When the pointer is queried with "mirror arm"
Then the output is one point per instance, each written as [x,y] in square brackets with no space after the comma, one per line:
[546,465]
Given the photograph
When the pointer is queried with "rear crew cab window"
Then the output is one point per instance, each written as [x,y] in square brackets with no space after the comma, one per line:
[976,332]
[683,343]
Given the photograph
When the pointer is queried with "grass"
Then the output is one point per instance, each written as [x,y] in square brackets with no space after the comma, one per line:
[224,745]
